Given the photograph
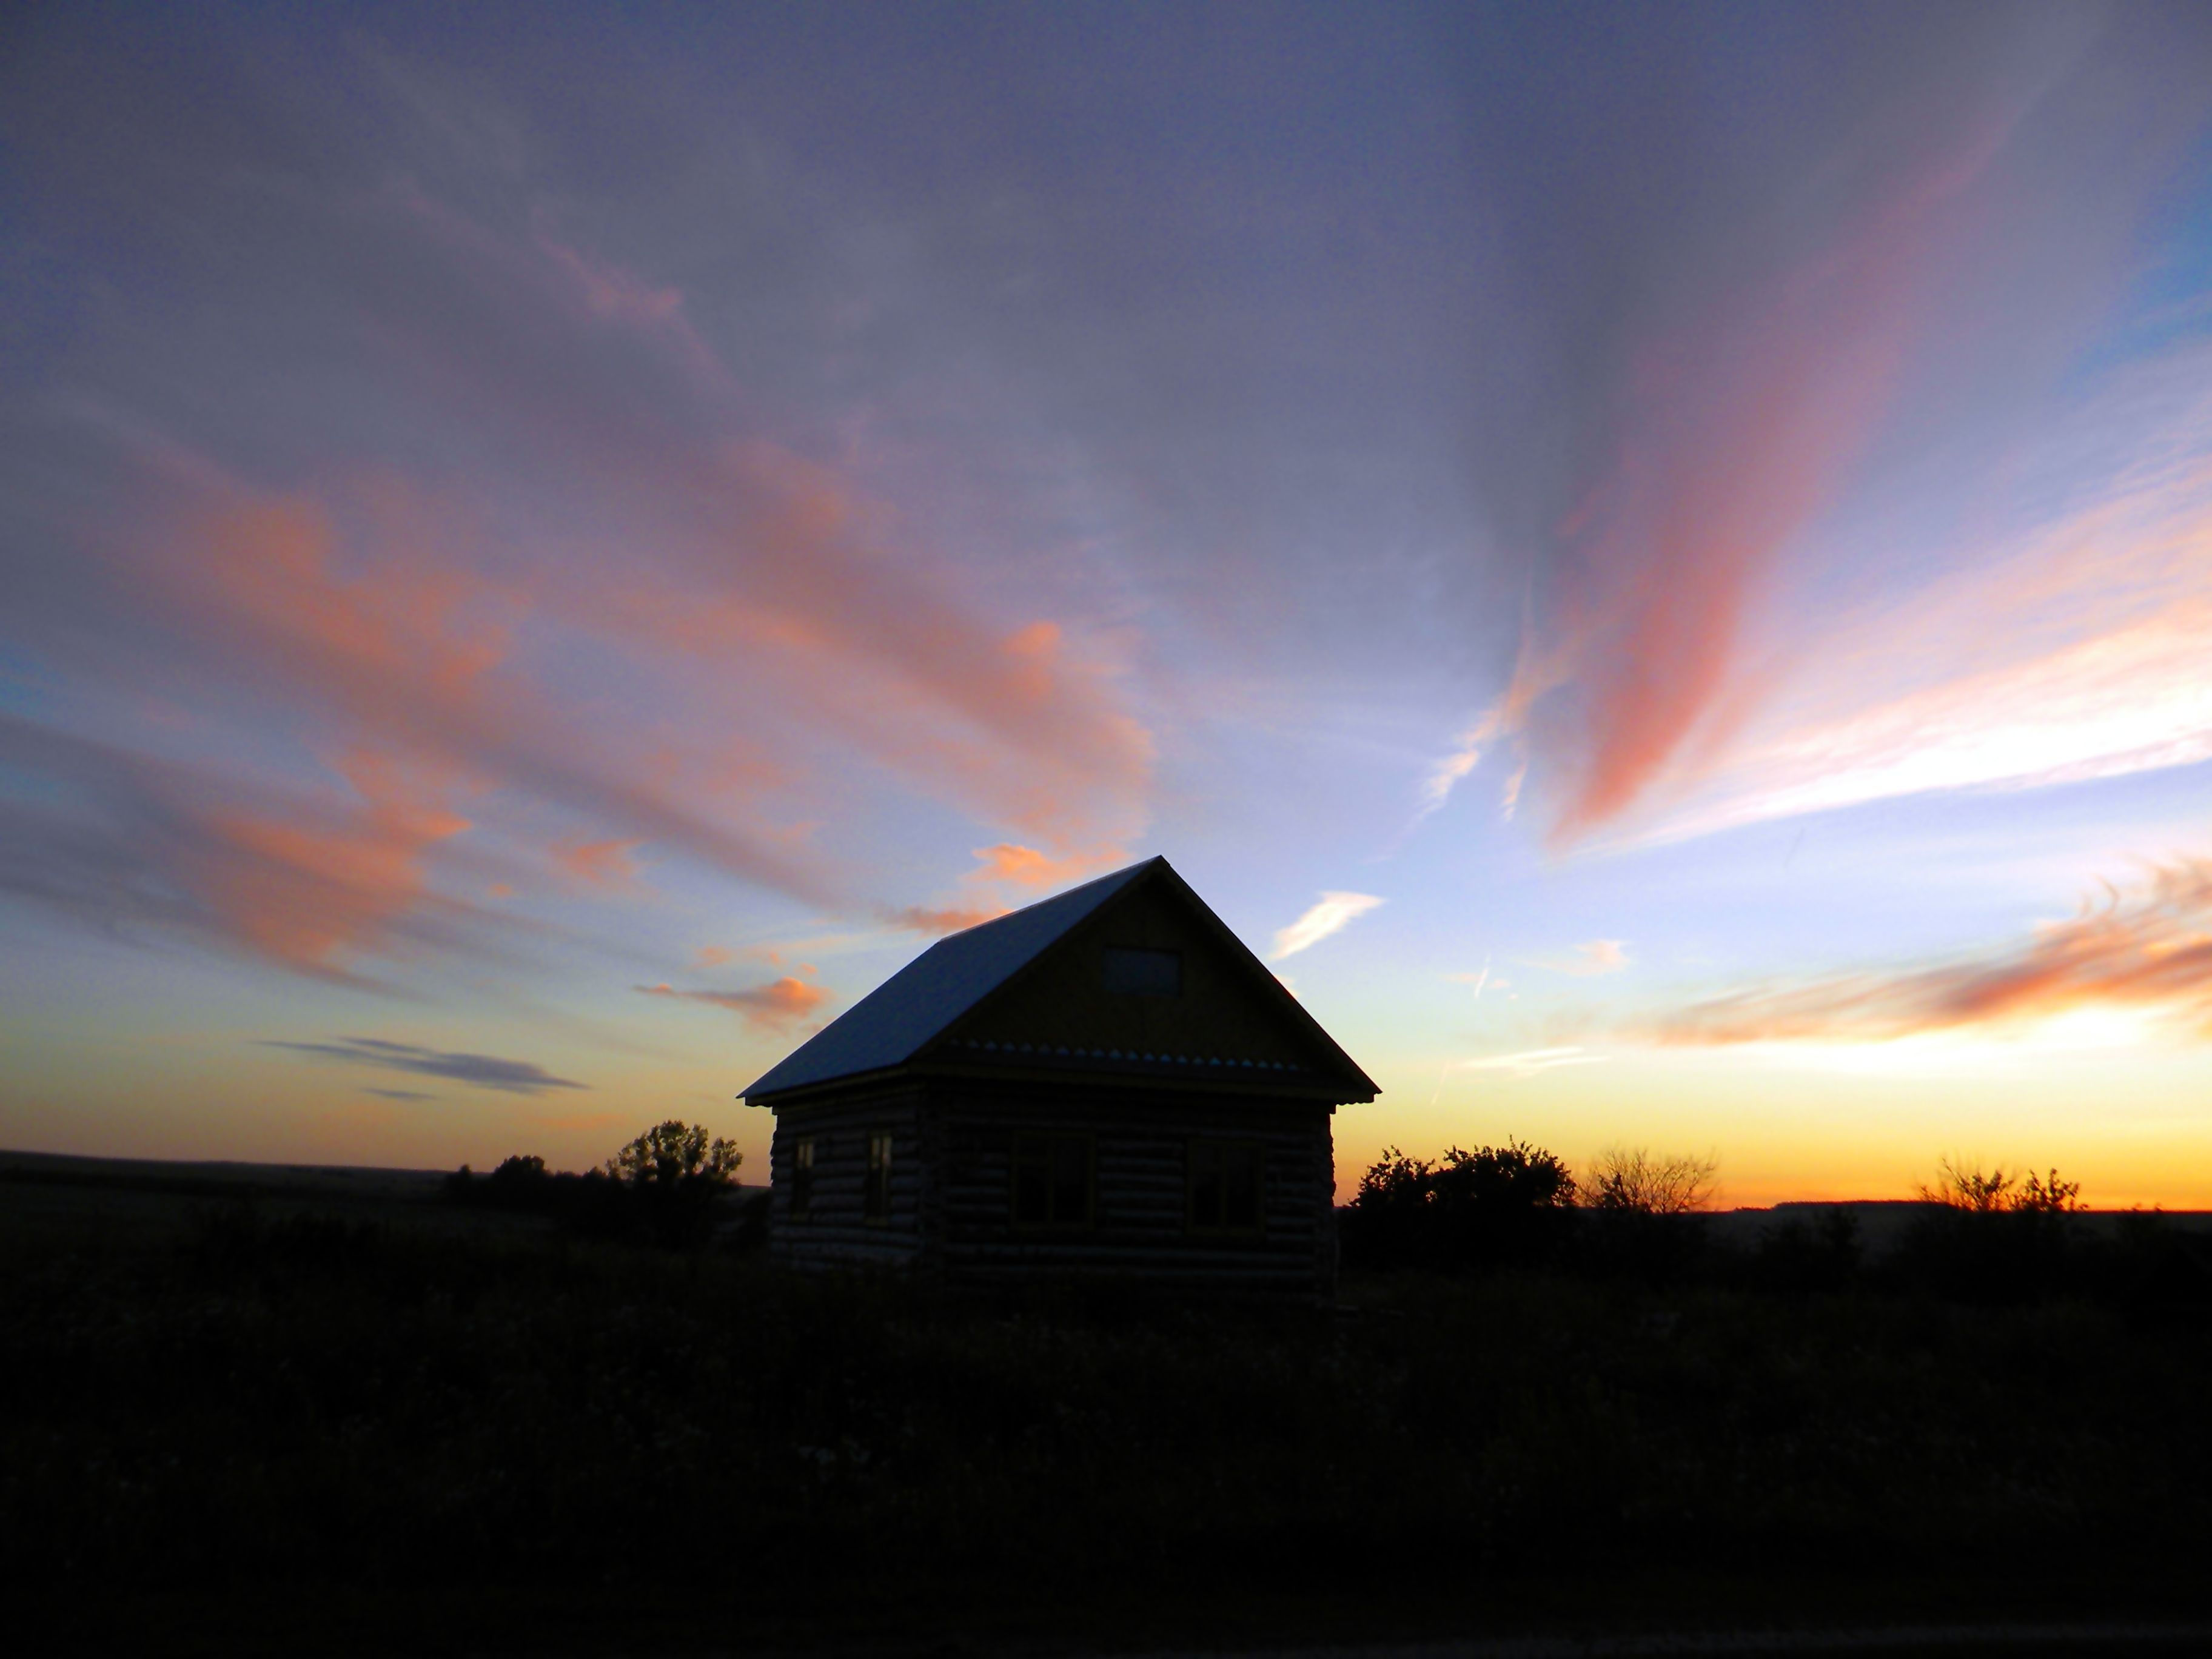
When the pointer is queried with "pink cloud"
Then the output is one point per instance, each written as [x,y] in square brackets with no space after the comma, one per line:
[1737,433]
[300,892]
[2147,947]
[608,863]
[659,622]
[919,919]
[612,291]
[1597,956]
[416,658]
[2077,652]
[1025,866]
[134,844]
[773,1006]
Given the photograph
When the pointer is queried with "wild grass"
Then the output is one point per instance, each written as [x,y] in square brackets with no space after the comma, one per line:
[376,1416]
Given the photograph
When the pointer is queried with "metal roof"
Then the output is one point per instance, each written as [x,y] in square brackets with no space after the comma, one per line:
[891,1024]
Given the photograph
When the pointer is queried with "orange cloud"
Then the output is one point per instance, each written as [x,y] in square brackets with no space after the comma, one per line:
[1025,866]
[772,1006]
[601,863]
[301,892]
[786,558]
[2148,948]
[713,956]
[407,641]
[409,653]
[124,840]
[920,919]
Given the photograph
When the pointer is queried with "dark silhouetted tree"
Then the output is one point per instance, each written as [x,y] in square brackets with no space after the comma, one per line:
[1967,1187]
[664,1188]
[1635,1183]
[1994,1235]
[1492,1206]
[1643,1213]
[675,1152]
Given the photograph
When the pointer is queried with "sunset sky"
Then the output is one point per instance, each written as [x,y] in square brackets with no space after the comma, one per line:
[1656,562]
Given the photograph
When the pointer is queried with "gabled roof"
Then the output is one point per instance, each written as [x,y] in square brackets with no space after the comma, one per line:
[908,1013]
[889,1024]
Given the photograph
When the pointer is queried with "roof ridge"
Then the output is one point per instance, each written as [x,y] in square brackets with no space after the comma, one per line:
[894,1021]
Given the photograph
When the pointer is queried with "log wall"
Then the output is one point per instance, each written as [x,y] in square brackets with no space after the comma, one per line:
[1138,1228]
[836,1232]
[952,1179]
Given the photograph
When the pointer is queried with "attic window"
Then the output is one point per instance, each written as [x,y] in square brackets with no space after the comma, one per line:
[1135,972]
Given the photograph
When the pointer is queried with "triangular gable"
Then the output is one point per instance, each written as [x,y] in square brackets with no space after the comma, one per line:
[1027,988]
[894,1021]
[1229,1019]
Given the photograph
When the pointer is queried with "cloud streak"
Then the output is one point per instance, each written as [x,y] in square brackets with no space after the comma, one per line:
[921,919]
[513,1077]
[1329,915]
[1592,957]
[2086,656]
[1527,1062]
[135,846]
[534,555]
[2146,948]
[1696,556]
[771,1007]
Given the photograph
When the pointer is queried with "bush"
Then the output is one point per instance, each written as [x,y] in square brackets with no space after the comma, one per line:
[666,1188]
[1996,1235]
[1494,1206]
[1640,1184]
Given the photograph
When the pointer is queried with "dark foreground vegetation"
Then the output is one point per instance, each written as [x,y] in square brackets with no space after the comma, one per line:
[305,1432]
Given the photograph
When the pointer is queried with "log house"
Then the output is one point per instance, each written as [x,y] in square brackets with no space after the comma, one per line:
[1103,1085]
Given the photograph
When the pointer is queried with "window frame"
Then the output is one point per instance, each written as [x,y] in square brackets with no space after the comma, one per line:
[800,1205]
[876,1178]
[1132,958]
[1051,1140]
[1222,1147]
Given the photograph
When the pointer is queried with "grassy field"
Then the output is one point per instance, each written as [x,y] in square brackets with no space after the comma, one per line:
[239,1423]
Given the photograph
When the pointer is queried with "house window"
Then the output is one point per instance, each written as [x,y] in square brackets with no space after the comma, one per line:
[876,1196]
[1052,1180]
[802,1176]
[1141,973]
[1224,1185]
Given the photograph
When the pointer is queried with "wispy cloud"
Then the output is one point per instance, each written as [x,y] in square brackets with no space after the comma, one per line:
[610,863]
[1025,866]
[773,1006]
[2086,657]
[920,918]
[1330,914]
[2146,948]
[1720,521]
[1591,958]
[138,846]
[1527,1062]
[1464,755]
[620,601]
[1478,979]
[515,1077]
